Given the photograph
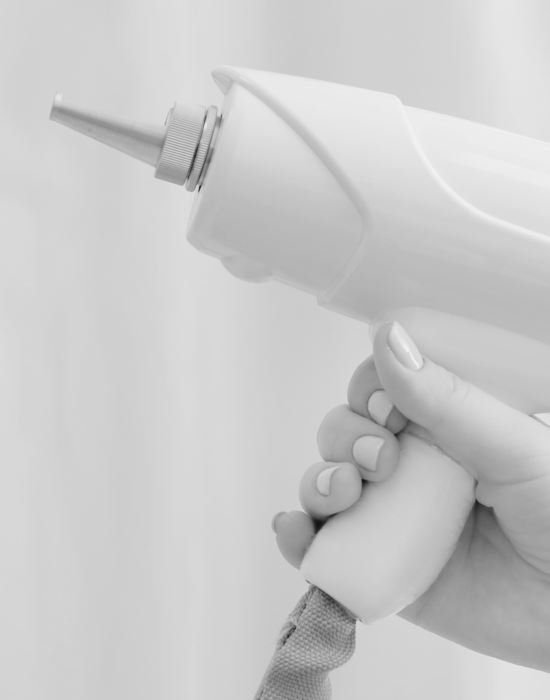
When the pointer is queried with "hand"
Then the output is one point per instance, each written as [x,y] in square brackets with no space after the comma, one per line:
[493,596]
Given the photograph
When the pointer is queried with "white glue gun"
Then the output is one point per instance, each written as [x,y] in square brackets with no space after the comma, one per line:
[383,212]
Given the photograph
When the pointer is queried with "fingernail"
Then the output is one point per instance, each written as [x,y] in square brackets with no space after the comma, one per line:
[274,521]
[404,348]
[366,450]
[379,406]
[323,480]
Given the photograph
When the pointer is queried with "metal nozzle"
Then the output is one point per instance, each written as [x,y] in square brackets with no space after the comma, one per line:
[177,151]
[141,141]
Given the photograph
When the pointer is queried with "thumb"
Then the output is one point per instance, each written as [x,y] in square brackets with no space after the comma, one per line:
[497,444]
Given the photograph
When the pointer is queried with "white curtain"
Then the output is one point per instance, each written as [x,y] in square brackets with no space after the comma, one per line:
[156,412]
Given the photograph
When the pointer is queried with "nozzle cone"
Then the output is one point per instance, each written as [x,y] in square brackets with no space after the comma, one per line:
[141,141]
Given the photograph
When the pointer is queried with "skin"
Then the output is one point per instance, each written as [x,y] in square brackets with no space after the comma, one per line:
[493,596]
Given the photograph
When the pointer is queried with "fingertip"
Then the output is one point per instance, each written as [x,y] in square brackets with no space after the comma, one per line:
[382,333]
[381,351]
[396,421]
[364,381]
[382,410]
[368,398]
[328,487]
[295,532]
[375,461]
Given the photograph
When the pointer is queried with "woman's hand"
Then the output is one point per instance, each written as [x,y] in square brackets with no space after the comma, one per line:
[493,596]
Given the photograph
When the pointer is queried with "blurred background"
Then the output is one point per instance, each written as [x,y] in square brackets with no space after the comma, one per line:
[155,412]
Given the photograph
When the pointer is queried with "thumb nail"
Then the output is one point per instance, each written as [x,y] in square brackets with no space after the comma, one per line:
[403,347]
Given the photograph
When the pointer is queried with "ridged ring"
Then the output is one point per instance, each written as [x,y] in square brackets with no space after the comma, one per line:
[185,126]
[202,150]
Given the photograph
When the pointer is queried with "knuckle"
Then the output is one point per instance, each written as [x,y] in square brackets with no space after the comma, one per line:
[454,392]
[457,389]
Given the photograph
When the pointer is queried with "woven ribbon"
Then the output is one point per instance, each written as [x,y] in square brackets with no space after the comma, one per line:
[318,636]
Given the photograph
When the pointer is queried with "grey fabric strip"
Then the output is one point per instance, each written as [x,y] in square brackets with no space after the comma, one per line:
[318,636]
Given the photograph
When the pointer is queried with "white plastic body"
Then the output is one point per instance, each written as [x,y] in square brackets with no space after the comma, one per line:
[388,212]
[383,211]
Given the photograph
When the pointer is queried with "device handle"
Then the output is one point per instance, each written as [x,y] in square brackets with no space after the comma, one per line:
[381,554]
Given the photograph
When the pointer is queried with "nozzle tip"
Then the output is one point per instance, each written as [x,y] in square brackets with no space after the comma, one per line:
[56,104]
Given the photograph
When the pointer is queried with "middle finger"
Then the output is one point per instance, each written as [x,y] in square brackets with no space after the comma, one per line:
[345,436]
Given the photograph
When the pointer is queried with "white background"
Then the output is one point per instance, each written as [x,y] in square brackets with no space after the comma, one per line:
[155,412]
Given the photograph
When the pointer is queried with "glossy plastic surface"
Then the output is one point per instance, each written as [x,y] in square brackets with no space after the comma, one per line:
[402,214]
[269,203]
[427,230]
